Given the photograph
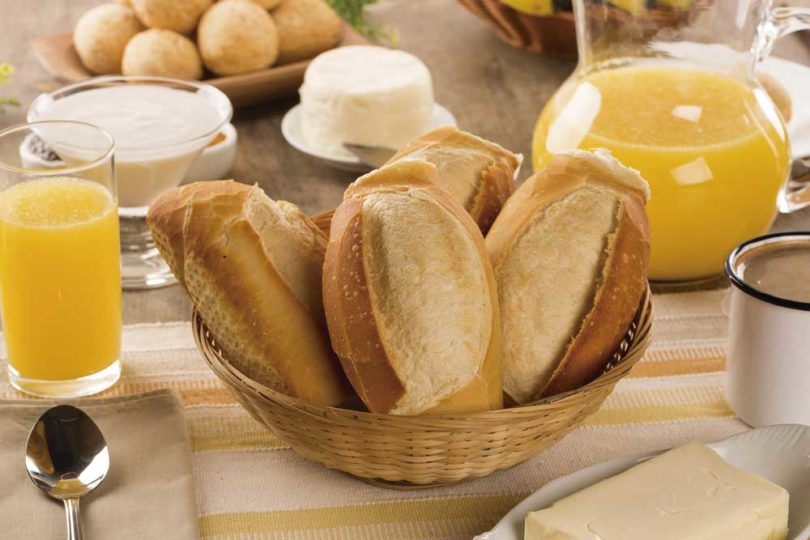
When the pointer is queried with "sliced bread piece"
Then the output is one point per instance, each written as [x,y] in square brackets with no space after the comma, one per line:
[570,252]
[252,267]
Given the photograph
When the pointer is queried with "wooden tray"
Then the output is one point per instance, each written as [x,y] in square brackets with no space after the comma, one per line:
[59,58]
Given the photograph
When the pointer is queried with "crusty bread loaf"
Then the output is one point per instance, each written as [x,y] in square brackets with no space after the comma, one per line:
[570,252]
[410,296]
[252,267]
[479,174]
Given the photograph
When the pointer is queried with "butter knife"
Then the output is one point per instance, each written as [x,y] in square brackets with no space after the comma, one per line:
[373,156]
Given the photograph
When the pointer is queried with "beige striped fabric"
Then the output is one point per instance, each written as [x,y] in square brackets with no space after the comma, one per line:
[250,485]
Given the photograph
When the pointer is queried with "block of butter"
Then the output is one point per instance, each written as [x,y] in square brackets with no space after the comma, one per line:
[687,493]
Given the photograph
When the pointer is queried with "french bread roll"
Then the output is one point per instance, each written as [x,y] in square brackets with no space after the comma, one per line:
[478,173]
[570,252]
[410,296]
[252,267]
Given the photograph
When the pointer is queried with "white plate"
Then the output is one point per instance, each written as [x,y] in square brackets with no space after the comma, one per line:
[291,129]
[779,453]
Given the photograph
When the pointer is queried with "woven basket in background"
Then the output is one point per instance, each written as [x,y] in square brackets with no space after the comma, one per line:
[555,34]
[408,452]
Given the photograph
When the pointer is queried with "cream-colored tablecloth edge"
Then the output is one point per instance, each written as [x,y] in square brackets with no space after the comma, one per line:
[251,486]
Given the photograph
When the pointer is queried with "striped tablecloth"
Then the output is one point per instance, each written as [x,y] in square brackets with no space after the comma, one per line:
[251,486]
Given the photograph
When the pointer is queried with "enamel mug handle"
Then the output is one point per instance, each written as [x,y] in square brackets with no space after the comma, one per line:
[782,21]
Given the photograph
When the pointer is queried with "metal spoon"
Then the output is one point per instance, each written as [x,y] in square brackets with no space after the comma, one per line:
[67,458]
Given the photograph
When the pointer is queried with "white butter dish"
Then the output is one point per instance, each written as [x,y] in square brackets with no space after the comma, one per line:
[777,453]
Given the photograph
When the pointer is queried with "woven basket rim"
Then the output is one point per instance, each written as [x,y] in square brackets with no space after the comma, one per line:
[568,15]
[640,337]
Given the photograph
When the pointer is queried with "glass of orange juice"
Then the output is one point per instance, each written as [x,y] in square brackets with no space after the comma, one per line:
[669,87]
[60,276]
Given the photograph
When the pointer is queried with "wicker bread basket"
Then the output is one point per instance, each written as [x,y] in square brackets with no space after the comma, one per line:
[409,452]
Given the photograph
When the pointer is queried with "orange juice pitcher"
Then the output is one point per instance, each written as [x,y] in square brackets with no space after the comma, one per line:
[676,98]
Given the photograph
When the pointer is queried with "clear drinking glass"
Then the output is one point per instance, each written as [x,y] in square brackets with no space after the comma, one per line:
[672,92]
[155,146]
[60,276]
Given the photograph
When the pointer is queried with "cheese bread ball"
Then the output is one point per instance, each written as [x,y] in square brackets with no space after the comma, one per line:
[178,15]
[101,35]
[237,36]
[267,4]
[127,3]
[306,28]
[163,53]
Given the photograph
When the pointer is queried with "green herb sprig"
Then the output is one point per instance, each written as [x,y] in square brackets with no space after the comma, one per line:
[352,12]
[6,73]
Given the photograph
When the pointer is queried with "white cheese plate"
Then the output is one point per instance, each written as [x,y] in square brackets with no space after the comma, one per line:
[291,130]
[779,453]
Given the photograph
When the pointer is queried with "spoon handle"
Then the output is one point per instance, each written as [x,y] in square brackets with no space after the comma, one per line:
[74,525]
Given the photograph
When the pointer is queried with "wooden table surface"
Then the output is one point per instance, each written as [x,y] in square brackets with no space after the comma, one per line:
[493,90]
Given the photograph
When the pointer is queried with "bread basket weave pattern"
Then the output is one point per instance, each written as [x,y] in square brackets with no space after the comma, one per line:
[407,452]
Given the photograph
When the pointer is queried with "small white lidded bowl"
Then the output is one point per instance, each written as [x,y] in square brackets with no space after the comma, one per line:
[36,154]
[768,367]
[213,163]
[216,159]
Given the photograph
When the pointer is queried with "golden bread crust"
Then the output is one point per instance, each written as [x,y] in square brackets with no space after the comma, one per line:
[621,280]
[355,312]
[306,28]
[237,36]
[350,316]
[479,173]
[617,299]
[166,217]
[102,34]
[225,257]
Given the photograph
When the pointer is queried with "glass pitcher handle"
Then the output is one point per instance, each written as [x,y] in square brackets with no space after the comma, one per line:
[781,22]
[797,191]
[791,19]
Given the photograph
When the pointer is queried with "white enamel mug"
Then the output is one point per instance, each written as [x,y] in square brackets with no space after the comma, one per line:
[768,368]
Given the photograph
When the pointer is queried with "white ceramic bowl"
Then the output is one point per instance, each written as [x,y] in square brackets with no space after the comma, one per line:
[30,160]
[215,161]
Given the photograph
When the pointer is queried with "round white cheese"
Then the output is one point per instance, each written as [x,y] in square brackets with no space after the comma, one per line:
[365,95]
